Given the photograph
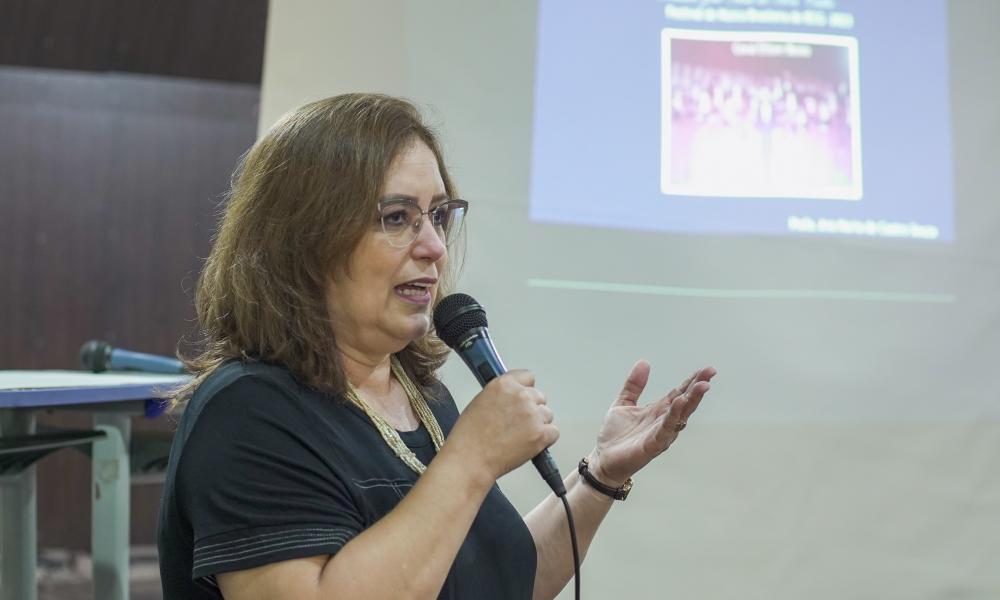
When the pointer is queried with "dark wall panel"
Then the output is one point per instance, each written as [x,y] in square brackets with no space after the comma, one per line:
[109,186]
[201,39]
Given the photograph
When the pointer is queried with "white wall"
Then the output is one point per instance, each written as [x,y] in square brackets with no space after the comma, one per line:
[848,449]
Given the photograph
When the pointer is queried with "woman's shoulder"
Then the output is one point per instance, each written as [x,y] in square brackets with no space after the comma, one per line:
[253,373]
[242,390]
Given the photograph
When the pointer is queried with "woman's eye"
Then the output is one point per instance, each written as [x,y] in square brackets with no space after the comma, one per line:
[440,216]
[396,218]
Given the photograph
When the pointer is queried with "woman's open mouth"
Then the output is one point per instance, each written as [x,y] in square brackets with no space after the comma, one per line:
[417,291]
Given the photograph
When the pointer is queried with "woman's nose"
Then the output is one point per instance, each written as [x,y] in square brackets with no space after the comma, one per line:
[428,243]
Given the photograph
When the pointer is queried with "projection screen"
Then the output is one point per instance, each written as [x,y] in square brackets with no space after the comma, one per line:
[798,192]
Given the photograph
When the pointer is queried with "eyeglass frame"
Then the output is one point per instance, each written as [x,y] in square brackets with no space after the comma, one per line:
[463,204]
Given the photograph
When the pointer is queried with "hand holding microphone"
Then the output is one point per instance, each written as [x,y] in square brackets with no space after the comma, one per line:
[506,424]
[515,413]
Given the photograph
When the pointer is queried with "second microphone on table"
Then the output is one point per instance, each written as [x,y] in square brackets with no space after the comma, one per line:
[98,356]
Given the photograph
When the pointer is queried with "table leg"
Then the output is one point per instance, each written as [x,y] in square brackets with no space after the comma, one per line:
[110,515]
[18,541]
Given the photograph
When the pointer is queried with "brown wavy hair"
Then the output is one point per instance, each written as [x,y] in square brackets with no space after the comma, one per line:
[301,200]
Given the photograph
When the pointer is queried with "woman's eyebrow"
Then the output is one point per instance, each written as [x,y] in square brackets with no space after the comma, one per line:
[435,199]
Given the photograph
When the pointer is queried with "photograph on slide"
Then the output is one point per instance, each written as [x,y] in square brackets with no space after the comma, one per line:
[760,114]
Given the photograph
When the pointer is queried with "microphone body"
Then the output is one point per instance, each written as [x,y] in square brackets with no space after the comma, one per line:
[98,356]
[480,355]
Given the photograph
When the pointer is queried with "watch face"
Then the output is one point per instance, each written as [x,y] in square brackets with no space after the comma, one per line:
[625,489]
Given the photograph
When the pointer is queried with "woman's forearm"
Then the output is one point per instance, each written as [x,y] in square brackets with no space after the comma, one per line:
[408,553]
[405,555]
[548,526]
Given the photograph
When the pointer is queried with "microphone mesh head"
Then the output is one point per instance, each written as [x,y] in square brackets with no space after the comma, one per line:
[94,355]
[455,315]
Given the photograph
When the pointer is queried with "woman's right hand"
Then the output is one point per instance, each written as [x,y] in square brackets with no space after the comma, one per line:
[505,425]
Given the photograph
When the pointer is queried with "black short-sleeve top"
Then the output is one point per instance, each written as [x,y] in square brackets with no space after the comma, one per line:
[264,469]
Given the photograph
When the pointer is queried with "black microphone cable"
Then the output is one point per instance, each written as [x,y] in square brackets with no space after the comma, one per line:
[576,550]
[461,323]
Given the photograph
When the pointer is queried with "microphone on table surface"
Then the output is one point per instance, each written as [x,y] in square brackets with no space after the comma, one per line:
[98,356]
[461,323]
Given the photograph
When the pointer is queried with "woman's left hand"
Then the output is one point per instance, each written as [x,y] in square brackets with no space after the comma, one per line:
[633,435]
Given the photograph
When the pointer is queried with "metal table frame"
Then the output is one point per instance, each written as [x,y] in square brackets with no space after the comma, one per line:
[112,407]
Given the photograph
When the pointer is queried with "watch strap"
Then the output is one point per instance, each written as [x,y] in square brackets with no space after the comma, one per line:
[619,493]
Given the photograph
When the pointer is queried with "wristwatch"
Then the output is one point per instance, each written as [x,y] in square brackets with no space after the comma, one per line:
[619,493]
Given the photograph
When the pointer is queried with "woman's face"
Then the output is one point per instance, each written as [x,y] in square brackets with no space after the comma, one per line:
[383,302]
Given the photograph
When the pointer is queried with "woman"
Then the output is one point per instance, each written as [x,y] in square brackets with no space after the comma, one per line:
[310,460]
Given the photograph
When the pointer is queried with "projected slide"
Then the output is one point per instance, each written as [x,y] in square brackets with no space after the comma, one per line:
[795,117]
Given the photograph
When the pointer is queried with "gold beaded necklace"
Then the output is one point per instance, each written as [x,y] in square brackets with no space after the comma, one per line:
[388,432]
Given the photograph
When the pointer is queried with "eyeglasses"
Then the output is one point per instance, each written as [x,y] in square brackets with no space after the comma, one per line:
[402,218]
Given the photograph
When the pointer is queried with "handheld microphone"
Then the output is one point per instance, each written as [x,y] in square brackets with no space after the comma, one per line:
[98,356]
[461,323]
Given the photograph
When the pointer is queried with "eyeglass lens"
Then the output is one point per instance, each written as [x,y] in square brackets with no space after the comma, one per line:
[401,221]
